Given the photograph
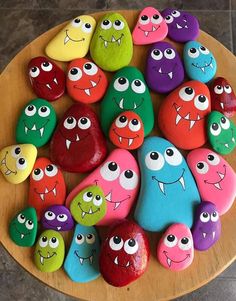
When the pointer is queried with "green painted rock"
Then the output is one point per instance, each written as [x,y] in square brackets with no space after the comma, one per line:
[49,251]
[221,133]
[23,227]
[89,206]
[111,47]
[36,123]
[127,92]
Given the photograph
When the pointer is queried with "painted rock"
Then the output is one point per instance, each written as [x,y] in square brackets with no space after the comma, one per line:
[78,132]
[124,254]
[150,28]
[36,123]
[49,251]
[81,263]
[223,98]
[199,62]
[73,40]
[182,26]
[221,133]
[127,131]
[164,68]
[47,79]
[23,227]
[85,81]
[47,186]
[175,249]
[111,47]
[168,191]
[89,206]
[127,92]
[207,226]
[182,115]
[17,161]
[58,218]
[118,177]
[216,180]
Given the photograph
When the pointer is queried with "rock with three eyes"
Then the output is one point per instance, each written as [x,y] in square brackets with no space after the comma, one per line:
[23,227]
[73,40]
[221,133]
[124,253]
[168,191]
[89,206]
[49,251]
[182,115]
[78,144]
[182,26]
[150,27]
[118,176]
[111,47]
[82,261]
[199,62]
[127,92]
[36,123]
[164,68]
[17,162]
[47,79]
[175,249]
[86,82]
[47,186]
[206,229]
[215,178]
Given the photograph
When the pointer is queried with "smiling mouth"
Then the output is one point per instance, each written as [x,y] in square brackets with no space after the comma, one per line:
[203,67]
[42,194]
[170,74]
[93,85]
[87,212]
[178,26]
[129,139]
[169,261]
[77,139]
[120,104]
[116,262]
[113,40]
[42,258]
[50,84]
[22,235]
[217,184]
[82,259]
[8,170]
[146,32]
[68,38]
[187,117]
[41,130]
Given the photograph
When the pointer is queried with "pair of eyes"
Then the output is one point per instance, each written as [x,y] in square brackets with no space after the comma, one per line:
[75,73]
[168,53]
[21,162]
[121,84]
[80,238]
[170,18]
[45,66]
[88,197]
[117,25]
[184,243]
[50,170]
[202,167]
[216,127]
[220,89]
[134,124]
[49,215]
[155,19]
[116,243]
[86,27]
[43,111]
[52,242]
[83,123]
[195,52]
[205,217]
[28,223]
[201,102]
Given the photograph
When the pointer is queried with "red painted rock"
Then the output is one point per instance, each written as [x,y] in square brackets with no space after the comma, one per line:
[78,144]
[182,115]
[223,98]
[127,131]
[86,82]
[124,253]
[47,186]
[47,79]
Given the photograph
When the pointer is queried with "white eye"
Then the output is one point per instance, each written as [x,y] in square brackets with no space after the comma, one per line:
[173,156]
[213,159]
[218,89]
[46,66]
[156,54]
[34,72]
[15,152]
[204,50]
[186,93]
[43,242]
[175,13]
[169,54]
[75,74]
[21,163]
[170,241]
[225,123]
[90,68]
[169,19]
[90,238]
[201,102]
[110,171]
[106,24]
[49,215]
[29,224]
[121,84]
[121,121]
[30,110]
[37,174]
[84,123]
[228,89]
[138,86]
[204,217]
[87,28]
[97,200]
[128,179]
[44,111]
[76,22]
[62,218]
[154,161]
[87,196]
[156,19]
[131,246]
[202,167]
[215,129]
[118,25]
[144,20]
[53,242]
[116,243]
[79,239]
[21,218]
[214,216]
[134,125]
[51,170]
[69,123]
[185,243]
[193,53]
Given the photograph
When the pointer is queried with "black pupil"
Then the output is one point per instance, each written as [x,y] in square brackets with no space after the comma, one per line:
[156,52]
[170,238]
[205,214]
[30,108]
[54,240]
[37,171]
[79,236]
[214,214]
[169,51]
[87,25]
[122,119]
[215,126]
[61,215]
[117,240]
[49,167]
[106,22]
[184,240]
[70,120]
[46,64]
[88,66]
[50,213]
[77,20]
[117,22]
[112,166]
[174,12]
[44,239]
[17,151]
[131,242]
[43,109]
[73,71]
[134,121]
[137,83]
[227,87]
[210,157]
[22,216]
[169,152]
[89,236]
[154,155]
[98,197]
[167,17]
[128,174]
[193,50]
[188,91]
[200,165]
[144,17]
[89,194]
[30,222]
[203,48]
[21,161]
[219,87]
[223,120]
[84,120]
[122,80]
[34,69]
[202,98]
[155,17]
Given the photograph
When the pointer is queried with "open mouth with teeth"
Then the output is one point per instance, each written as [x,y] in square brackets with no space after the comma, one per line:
[93,85]
[46,192]
[221,176]
[146,32]
[203,67]
[169,261]
[208,235]
[169,74]
[112,40]
[22,235]
[182,26]
[228,143]
[116,262]
[50,84]
[108,198]
[42,258]
[68,38]
[84,213]
[8,170]
[129,140]
[89,259]
[121,105]
[40,130]
[77,139]
[187,117]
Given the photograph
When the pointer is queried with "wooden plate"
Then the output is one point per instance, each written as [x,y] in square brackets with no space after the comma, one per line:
[157,283]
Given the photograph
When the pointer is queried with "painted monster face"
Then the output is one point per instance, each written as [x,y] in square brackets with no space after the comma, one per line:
[182,115]
[36,123]
[81,263]
[89,206]
[175,249]
[124,254]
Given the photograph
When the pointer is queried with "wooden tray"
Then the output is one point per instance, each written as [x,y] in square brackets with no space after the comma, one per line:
[157,283]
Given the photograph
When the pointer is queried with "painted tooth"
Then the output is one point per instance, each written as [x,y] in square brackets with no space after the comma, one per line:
[3,161]
[120,139]
[41,131]
[116,260]
[178,26]
[178,117]
[26,130]
[233,139]
[87,91]
[49,87]
[222,105]
[83,214]
[127,264]
[55,81]
[113,39]
[105,44]
[169,262]
[160,71]
[203,69]
[90,211]
[33,128]
[198,117]
[81,260]
[204,234]
[121,104]
[187,116]
[211,65]
[154,28]
[108,197]
[46,190]
[58,228]
[48,255]
[178,109]
[91,259]
[93,83]
[117,204]
[22,235]
[41,259]
[7,172]
[226,145]
[221,175]
[192,122]
[182,182]
[135,106]
[130,141]
[42,196]
[77,137]
[146,33]
[54,191]
[161,186]
[68,142]
[118,41]
[170,74]
[66,39]
[217,185]
[185,26]
[213,234]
